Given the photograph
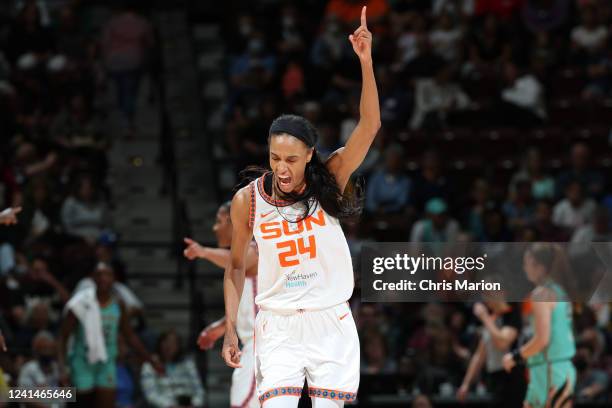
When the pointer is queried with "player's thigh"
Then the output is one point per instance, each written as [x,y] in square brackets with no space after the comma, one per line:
[333,363]
[279,357]
[82,374]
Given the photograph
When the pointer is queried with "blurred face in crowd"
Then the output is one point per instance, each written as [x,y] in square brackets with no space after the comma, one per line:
[288,159]
[169,347]
[535,271]
[39,268]
[39,317]
[104,277]
[534,162]
[580,156]
[393,161]
[44,349]
[543,213]
[431,164]
[480,193]
[86,190]
[439,220]
[573,192]
[223,228]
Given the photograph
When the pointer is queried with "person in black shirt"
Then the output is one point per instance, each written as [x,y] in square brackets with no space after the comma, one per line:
[501,327]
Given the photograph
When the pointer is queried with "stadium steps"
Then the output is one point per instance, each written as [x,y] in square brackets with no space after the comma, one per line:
[198,184]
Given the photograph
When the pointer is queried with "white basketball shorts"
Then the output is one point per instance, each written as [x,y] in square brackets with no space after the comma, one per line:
[320,345]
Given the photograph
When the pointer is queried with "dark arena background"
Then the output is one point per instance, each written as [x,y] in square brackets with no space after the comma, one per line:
[125,125]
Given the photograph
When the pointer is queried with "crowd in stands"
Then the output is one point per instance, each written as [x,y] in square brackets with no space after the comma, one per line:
[59,61]
[495,127]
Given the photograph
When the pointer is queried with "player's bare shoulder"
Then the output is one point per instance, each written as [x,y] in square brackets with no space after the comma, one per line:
[240,206]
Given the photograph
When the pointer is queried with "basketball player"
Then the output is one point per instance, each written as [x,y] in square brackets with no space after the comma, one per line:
[304,328]
[549,353]
[242,392]
[95,381]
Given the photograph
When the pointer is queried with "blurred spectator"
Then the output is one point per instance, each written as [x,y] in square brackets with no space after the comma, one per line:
[376,359]
[488,45]
[389,188]
[480,199]
[425,64]
[180,384]
[437,101]
[127,39]
[589,37]
[543,224]
[575,210]
[522,100]
[410,42]
[519,209]
[84,214]
[437,229]
[591,383]
[430,182]
[42,370]
[29,41]
[598,230]
[545,16]
[446,37]
[459,8]
[580,170]
[542,185]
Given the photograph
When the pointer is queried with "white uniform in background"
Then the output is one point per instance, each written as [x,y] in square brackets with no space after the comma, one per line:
[305,327]
[243,390]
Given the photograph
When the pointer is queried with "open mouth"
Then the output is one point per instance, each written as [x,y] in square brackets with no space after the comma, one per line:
[284,181]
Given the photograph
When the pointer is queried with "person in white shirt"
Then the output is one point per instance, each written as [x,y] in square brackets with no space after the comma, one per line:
[43,370]
[574,210]
[590,36]
[446,37]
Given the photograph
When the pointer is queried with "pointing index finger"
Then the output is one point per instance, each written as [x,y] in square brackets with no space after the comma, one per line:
[363,16]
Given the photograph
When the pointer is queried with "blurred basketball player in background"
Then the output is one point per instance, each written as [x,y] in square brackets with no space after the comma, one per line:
[549,353]
[242,393]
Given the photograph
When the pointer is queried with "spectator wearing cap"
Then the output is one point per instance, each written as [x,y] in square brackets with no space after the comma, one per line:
[437,228]
[388,189]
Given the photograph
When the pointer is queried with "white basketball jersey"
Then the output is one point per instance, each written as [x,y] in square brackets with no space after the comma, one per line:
[303,265]
[247,310]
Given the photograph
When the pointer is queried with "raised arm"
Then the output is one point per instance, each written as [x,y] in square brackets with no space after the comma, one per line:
[344,161]
[233,281]
[218,256]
